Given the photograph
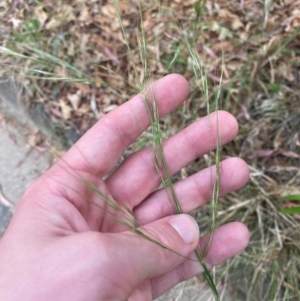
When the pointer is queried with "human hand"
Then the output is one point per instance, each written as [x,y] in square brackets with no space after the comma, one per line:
[61,246]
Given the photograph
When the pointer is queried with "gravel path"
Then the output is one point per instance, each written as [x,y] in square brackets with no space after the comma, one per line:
[19,164]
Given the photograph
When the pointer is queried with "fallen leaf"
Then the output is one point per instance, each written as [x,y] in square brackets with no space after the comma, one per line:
[15,22]
[210,52]
[231,18]
[264,153]
[290,154]
[75,99]
[65,109]
[271,47]
[41,15]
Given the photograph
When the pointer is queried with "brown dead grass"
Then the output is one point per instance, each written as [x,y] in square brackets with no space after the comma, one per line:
[259,47]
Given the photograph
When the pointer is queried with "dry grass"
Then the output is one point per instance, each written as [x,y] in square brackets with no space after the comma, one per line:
[258,44]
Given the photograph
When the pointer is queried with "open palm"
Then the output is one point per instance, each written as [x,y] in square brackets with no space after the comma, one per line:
[61,246]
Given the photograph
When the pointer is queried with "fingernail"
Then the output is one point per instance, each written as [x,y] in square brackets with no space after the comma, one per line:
[186,227]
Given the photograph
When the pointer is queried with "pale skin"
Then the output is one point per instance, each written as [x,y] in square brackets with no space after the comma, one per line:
[59,246]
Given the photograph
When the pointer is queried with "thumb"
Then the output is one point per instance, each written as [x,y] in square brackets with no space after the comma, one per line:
[143,259]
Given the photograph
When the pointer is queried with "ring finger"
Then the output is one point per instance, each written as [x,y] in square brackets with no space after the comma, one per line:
[193,191]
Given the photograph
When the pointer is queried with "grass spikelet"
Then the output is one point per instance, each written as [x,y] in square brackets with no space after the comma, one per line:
[118,211]
[159,158]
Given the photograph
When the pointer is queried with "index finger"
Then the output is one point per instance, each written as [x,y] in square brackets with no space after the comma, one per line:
[106,141]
